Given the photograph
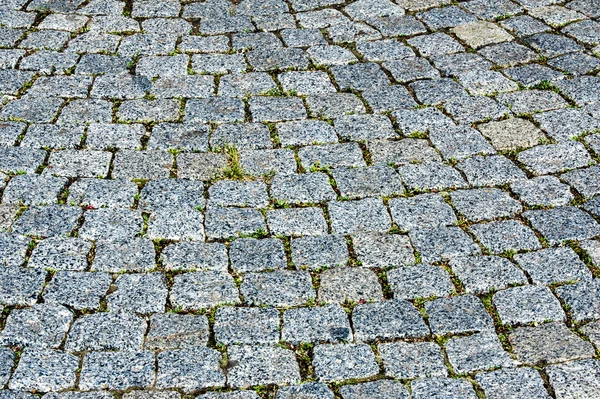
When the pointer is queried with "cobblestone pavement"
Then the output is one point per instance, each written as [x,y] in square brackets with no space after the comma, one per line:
[300,199]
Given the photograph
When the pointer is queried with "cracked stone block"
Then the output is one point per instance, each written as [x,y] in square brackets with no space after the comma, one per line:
[331,156]
[195,255]
[366,215]
[306,132]
[253,255]
[480,274]
[260,365]
[40,326]
[117,370]
[435,44]
[47,221]
[189,369]
[435,92]
[459,142]
[553,265]
[107,331]
[435,244]
[99,193]
[430,176]
[297,221]
[248,326]
[389,319]
[140,293]
[279,288]
[202,290]
[343,362]
[359,76]
[509,54]
[505,235]
[21,286]
[60,253]
[581,299]
[384,50]
[511,134]
[78,290]
[267,162]
[491,170]
[251,136]
[458,314]
[419,281]
[176,224]
[200,166]
[383,250]
[319,251]
[563,223]
[351,284]
[277,59]
[326,324]
[409,69]
[512,383]
[550,342]
[229,222]
[113,135]
[186,137]
[304,188]
[177,193]
[44,371]
[481,351]
[378,180]
[404,360]
[425,210]
[585,181]
[442,388]
[542,191]
[176,331]
[111,223]
[575,379]
[15,160]
[71,163]
[484,204]
[527,304]
[131,255]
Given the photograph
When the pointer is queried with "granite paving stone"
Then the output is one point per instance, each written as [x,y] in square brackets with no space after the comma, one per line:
[238,199]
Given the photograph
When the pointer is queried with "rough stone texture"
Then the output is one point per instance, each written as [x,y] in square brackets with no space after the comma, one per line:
[196,195]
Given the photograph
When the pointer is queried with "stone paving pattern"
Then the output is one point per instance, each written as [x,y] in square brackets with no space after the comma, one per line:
[299,199]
